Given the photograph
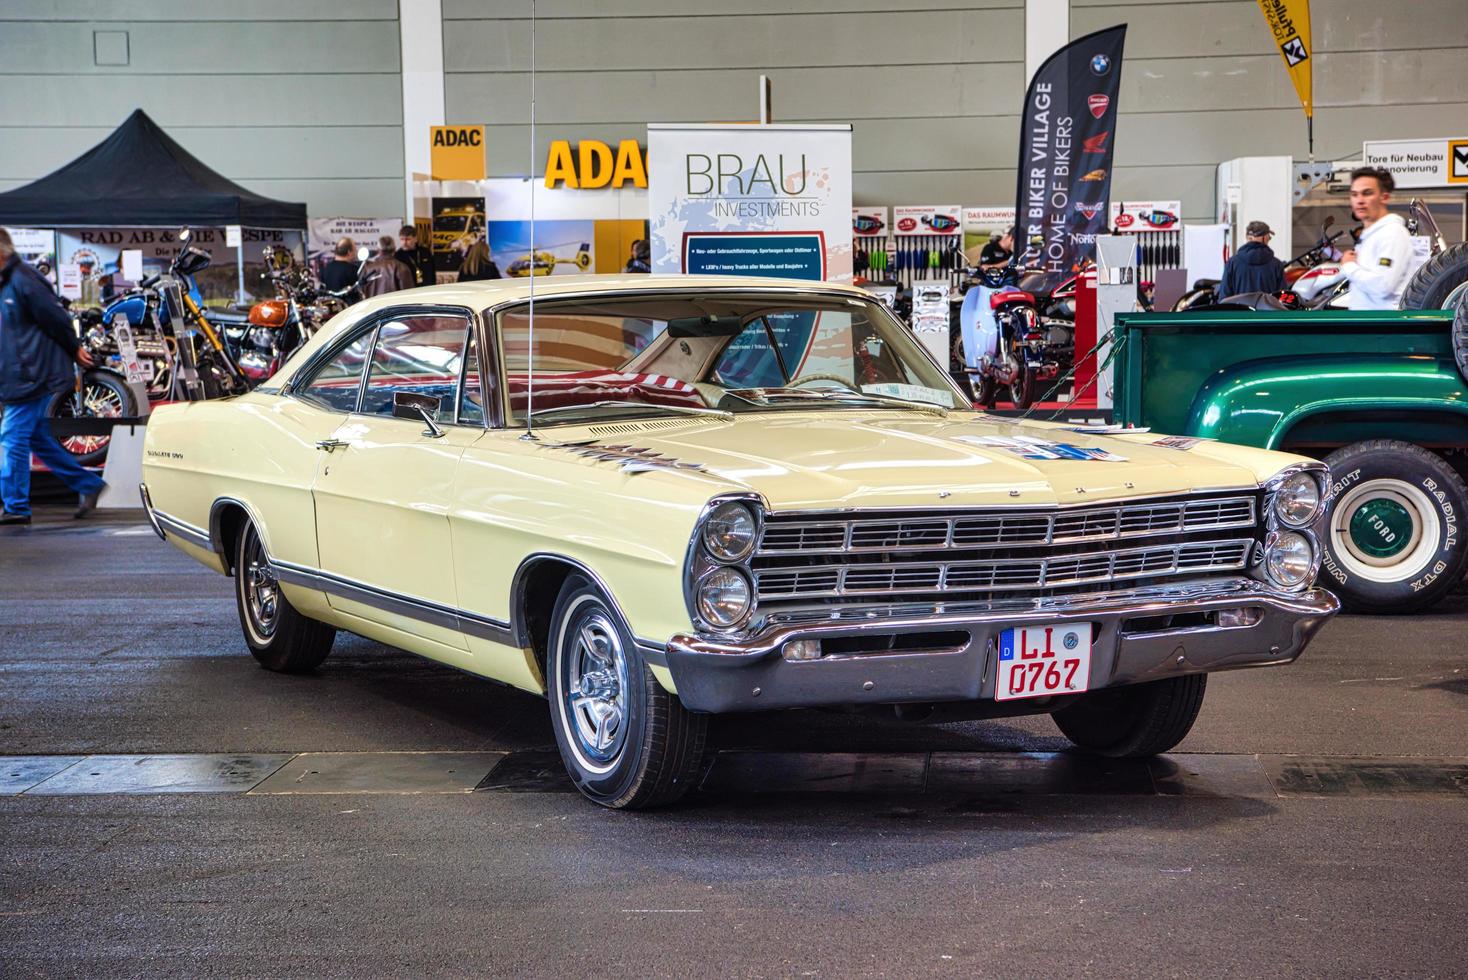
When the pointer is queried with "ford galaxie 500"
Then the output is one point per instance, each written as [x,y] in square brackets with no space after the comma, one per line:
[713,495]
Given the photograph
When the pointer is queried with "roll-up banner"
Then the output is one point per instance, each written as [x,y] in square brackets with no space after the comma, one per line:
[750,200]
[1065,150]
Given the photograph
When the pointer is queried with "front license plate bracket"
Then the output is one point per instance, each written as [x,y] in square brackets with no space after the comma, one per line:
[1043,661]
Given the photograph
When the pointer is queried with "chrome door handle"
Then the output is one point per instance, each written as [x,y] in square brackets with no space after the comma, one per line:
[331,445]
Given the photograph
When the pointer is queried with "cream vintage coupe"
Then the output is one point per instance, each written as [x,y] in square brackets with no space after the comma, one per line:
[715,495]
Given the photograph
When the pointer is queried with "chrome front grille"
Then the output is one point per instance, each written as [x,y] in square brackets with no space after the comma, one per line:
[866,556]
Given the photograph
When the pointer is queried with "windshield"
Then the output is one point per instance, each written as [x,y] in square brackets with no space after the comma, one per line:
[747,352]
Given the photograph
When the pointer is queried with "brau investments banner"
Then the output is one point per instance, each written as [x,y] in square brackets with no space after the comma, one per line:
[1067,139]
[750,200]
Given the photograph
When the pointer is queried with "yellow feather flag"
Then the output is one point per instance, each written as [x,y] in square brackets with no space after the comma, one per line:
[1289,24]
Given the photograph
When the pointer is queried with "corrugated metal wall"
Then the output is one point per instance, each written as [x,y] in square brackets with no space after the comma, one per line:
[297,99]
[300,99]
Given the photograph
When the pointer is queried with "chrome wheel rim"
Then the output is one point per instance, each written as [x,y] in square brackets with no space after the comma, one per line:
[94,401]
[262,591]
[595,702]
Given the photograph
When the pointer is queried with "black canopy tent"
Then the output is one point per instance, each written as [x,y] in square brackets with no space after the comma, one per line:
[140,177]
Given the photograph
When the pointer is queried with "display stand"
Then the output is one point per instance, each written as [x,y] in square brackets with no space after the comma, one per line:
[123,470]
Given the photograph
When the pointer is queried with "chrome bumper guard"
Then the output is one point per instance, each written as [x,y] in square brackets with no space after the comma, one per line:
[1132,644]
[148,509]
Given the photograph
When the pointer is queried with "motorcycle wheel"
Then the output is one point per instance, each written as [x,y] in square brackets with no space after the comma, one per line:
[986,391]
[216,379]
[1024,389]
[104,395]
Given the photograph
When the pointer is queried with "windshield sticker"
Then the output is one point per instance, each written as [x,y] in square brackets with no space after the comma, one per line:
[910,393]
[1028,447]
[1177,442]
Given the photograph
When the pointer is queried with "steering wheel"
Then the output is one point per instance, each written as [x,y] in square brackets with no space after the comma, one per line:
[807,379]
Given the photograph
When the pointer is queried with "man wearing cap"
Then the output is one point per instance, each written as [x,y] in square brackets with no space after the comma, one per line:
[1253,268]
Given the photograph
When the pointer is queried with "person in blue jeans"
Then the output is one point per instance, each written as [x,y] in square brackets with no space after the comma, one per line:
[37,349]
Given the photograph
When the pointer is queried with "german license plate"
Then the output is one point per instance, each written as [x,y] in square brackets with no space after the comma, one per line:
[1038,661]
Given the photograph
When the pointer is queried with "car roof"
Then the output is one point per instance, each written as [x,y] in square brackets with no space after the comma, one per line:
[492,292]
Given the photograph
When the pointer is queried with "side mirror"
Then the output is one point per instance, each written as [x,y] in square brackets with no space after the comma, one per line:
[184,234]
[418,407]
[364,253]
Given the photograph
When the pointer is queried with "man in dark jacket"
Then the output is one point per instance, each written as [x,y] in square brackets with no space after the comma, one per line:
[1253,268]
[37,348]
[415,256]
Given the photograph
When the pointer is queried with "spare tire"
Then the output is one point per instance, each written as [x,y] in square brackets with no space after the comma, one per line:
[1433,286]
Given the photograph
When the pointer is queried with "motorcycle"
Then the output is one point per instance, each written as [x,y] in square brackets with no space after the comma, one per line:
[1024,349]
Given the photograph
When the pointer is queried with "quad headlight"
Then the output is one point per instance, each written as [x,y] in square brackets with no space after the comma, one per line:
[724,597]
[730,532]
[1289,559]
[1297,500]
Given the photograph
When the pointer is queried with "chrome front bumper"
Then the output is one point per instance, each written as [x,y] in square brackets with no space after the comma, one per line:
[1129,647]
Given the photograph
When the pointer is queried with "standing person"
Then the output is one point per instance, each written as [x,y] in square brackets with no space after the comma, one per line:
[641,258]
[477,264]
[1254,268]
[417,257]
[37,348]
[1377,267]
[997,251]
[383,273]
[342,271]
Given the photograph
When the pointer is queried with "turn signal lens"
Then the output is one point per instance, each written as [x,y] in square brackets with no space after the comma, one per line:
[724,597]
[802,650]
[1297,500]
[1289,560]
[729,532]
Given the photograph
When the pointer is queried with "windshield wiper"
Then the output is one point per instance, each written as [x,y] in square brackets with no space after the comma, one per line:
[633,406]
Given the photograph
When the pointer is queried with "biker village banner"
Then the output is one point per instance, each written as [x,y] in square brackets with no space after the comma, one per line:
[1067,138]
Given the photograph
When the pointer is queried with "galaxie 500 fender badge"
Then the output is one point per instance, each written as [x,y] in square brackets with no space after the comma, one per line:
[632,459]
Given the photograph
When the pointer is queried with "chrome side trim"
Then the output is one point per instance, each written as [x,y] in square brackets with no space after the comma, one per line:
[423,610]
[148,510]
[196,536]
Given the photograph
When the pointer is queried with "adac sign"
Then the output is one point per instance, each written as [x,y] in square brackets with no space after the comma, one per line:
[594,164]
[457,152]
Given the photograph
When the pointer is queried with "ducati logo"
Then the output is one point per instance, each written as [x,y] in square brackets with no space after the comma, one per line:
[1098,104]
[1095,144]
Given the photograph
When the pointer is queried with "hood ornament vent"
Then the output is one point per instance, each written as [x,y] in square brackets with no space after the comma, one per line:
[631,459]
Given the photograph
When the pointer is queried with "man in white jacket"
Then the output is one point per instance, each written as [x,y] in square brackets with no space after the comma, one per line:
[1380,263]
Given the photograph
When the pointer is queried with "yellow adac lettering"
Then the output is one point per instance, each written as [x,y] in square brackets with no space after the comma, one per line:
[559,165]
[596,163]
[630,165]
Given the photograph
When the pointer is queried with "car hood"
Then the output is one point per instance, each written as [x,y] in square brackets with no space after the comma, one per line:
[839,459]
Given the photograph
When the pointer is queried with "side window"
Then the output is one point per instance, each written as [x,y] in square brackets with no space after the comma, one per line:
[422,354]
[471,404]
[335,385]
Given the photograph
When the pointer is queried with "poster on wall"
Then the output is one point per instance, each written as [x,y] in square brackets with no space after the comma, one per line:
[323,234]
[982,226]
[927,219]
[1146,215]
[36,248]
[751,200]
[97,253]
[458,222]
[561,248]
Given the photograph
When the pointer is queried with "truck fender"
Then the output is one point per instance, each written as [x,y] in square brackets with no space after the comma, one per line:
[1255,403]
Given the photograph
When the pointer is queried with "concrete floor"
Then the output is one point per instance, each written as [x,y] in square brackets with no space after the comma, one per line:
[1345,861]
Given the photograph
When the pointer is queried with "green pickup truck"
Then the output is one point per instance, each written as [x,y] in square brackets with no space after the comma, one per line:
[1378,395]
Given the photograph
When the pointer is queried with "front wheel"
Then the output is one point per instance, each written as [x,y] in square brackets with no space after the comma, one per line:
[626,743]
[103,395]
[1135,721]
[279,637]
[1394,544]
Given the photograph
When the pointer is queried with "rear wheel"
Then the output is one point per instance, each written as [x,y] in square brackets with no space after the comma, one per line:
[1394,544]
[626,743]
[280,638]
[1025,388]
[1136,721]
[104,395]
